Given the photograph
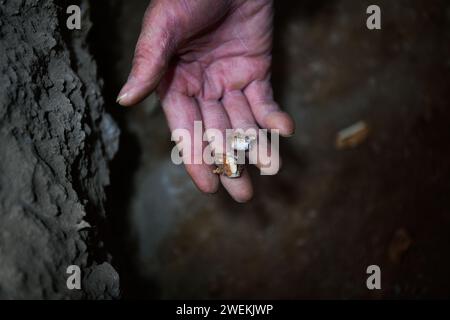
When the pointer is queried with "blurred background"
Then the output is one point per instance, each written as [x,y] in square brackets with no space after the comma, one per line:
[312,230]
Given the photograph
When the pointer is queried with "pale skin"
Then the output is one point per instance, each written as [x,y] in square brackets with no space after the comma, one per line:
[209,61]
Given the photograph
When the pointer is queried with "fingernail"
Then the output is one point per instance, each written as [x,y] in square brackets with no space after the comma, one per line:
[122,97]
[288,135]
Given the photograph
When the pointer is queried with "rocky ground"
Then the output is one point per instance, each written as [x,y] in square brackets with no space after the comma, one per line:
[55,144]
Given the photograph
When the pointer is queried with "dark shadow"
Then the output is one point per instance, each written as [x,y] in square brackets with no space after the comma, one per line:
[286,12]
[116,233]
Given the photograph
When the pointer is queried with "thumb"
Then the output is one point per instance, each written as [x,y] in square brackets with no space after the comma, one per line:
[155,46]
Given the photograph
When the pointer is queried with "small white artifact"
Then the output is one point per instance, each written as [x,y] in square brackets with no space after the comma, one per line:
[227,165]
[242,142]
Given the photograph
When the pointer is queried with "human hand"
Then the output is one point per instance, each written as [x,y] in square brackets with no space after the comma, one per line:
[209,61]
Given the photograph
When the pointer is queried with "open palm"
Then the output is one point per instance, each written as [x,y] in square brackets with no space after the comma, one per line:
[209,61]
